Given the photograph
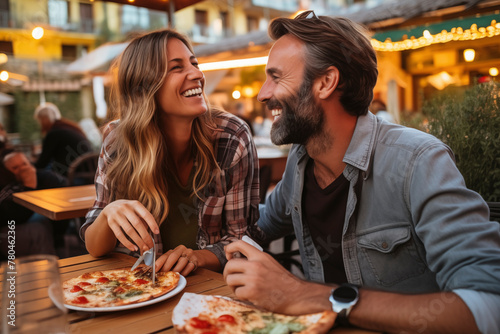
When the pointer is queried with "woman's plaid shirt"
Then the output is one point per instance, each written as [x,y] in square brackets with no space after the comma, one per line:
[230,209]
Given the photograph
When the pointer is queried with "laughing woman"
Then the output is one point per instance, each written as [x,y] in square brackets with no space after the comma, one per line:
[169,165]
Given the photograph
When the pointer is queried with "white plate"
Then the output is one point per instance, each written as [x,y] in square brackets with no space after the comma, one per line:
[180,286]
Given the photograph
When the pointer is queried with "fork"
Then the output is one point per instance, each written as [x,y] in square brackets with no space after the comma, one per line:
[149,258]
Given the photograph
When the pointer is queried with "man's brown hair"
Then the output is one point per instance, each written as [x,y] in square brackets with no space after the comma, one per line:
[339,42]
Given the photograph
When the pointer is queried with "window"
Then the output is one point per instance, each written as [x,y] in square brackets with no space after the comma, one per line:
[6,47]
[226,30]
[134,18]
[252,23]
[69,52]
[58,13]
[86,17]
[201,20]
[225,23]
[4,13]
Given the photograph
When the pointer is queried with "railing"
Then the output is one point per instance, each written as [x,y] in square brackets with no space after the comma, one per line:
[207,34]
[5,19]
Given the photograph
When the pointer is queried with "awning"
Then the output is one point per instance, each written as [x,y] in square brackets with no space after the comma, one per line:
[464,23]
[97,60]
[6,99]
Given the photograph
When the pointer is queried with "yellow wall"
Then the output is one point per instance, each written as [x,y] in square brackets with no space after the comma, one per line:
[34,12]
[74,11]
[108,10]
[390,69]
[47,48]
[185,18]
[240,22]
[29,11]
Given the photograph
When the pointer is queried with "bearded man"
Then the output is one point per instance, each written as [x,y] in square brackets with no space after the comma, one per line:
[390,237]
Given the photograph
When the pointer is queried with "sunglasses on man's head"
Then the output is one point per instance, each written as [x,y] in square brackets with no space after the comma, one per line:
[311,15]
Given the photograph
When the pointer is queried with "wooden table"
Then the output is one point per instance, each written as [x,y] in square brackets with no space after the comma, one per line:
[58,203]
[148,319]
[155,318]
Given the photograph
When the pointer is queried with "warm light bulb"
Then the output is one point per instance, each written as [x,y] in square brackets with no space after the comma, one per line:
[4,75]
[493,71]
[248,91]
[469,55]
[37,33]
[3,58]
[236,94]
[427,34]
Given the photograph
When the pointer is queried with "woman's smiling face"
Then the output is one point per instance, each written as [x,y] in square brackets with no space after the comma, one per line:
[181,94]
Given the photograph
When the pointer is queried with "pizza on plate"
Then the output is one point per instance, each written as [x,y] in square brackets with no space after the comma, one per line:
[202,314]
[117,287]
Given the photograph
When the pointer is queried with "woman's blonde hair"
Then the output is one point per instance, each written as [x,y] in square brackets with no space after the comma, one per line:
[138,149]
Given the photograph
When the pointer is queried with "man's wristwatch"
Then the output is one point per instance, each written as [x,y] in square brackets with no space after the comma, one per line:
[343,299]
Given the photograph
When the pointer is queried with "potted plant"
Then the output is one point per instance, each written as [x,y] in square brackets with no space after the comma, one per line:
[469,122]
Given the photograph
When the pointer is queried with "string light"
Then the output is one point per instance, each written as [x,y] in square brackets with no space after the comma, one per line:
[455,34]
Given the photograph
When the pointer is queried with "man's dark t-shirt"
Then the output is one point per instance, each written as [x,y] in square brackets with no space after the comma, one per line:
[323,211]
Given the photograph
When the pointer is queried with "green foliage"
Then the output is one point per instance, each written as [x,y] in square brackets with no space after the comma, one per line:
[469,122]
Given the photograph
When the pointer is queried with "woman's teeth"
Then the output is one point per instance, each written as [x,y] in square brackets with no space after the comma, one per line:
[191,92]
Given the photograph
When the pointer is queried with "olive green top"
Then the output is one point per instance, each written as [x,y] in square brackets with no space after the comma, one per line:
[181,225]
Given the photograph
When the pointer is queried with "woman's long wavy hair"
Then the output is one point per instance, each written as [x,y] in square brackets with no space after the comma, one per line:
[138,151]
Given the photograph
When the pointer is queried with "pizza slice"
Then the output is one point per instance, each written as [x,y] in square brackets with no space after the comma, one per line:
[201,314]
[117,287]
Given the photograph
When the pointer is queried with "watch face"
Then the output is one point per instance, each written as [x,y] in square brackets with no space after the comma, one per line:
[344,294]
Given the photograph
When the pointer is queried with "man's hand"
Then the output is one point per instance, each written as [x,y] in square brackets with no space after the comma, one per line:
[27,175]
[261,280]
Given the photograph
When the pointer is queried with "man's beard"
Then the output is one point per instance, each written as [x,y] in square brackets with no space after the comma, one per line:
[301,117]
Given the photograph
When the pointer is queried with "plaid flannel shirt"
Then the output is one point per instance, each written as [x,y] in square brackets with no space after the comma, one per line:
[230,209]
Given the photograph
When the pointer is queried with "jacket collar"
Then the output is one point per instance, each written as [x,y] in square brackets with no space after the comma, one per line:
[360,151]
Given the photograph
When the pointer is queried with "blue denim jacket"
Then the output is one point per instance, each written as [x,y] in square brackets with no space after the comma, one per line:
[412,225]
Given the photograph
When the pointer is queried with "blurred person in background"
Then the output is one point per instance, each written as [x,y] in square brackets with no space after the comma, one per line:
[378,108]
[4,140]
[169,164]
[34,233]
[6,176]
[63,141]
[238,109]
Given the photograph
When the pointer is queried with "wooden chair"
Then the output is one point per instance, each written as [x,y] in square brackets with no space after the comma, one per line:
[82,169]
[494,211]
[265,173]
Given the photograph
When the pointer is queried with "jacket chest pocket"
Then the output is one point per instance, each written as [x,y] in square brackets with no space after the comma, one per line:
[389,256]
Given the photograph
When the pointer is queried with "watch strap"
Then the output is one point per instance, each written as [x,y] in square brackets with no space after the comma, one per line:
[342,316]
[342,319]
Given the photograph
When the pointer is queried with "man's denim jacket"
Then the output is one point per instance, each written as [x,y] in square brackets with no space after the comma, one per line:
[411,225]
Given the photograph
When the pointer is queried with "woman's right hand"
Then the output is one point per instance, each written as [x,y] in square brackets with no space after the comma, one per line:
[132,219]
